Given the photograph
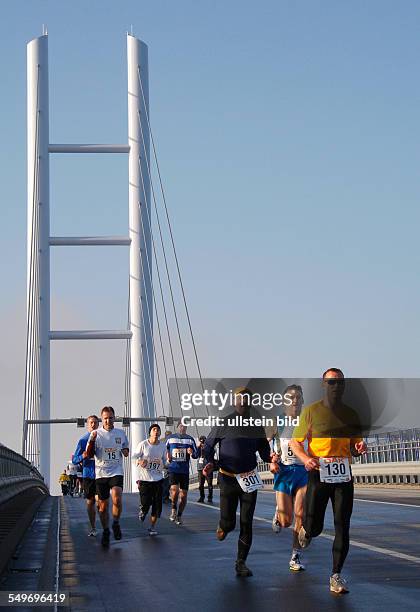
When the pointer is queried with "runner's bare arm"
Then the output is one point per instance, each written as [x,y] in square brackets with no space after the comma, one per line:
[90,448]
[310,463]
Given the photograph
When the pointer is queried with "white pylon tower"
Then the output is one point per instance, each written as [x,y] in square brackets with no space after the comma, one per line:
[141,303]
[39,242]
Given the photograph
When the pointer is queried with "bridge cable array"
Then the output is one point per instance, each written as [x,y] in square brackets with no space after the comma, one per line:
[31,409]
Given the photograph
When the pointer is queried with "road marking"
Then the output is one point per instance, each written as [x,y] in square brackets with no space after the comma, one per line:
[381,551]
[357,544]
[373,501]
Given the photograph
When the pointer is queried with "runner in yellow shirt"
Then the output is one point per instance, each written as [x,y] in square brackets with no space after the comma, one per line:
[333,433]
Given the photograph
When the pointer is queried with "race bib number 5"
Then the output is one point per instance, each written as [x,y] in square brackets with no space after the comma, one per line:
[334,469]
[179,454]
[249,481]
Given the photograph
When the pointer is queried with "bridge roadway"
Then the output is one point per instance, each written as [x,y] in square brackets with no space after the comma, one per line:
[185,568]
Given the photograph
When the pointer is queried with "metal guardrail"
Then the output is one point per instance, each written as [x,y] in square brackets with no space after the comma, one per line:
[404,472]
[17,475]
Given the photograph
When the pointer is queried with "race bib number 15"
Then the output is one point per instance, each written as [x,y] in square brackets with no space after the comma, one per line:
[334,469]
[111,454]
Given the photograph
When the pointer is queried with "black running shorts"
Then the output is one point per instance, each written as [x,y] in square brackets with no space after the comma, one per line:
[104,485]
[183,480]
[89,488]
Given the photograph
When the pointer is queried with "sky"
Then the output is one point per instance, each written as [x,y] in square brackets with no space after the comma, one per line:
[287,136]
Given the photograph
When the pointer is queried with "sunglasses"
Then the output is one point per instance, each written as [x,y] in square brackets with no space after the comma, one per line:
[335,381]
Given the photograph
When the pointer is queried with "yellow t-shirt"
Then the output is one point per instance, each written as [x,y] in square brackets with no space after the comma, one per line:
[329,433]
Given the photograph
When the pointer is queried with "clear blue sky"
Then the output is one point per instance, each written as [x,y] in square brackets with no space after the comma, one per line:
[288,135]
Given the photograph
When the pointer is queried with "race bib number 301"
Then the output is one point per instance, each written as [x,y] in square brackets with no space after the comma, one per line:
[334,469]
[250,481]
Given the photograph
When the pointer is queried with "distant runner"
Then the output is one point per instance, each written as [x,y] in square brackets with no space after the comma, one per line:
[201,462]
[328,463]
[109,445]
[150,458]
[180,448]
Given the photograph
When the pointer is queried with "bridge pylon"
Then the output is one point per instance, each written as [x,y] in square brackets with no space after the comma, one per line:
[36,439]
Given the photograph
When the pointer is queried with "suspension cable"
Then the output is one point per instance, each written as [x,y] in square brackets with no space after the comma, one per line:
[170,228]
[151,331]
[160,287]
[149,268]
[164,258]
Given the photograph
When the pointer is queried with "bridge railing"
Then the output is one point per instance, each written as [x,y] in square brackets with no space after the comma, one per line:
[17,475]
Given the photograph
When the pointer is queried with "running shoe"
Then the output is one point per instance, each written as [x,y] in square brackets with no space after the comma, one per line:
[275,524]
[304,540]
[178,520]
[295,563]
[105,538]
[200,500]
[173,515]
[152,531]
[117,531]
[142,516]
[338,584]
[220,534]
[92,533]
[210,500]
[241,569]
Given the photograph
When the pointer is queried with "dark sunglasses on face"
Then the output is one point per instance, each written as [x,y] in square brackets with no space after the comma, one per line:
[335,381]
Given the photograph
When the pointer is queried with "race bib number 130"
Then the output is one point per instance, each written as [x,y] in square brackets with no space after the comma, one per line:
[250,481]
[334,469]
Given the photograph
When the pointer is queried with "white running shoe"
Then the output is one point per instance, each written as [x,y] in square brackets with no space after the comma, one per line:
[92,533]
[275,524]
[178,520]
[303,538]
[295,563]
[152,531]
[173,515]
[338,584]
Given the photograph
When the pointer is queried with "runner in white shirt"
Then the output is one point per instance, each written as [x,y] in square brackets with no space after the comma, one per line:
[150,458]
[108,445]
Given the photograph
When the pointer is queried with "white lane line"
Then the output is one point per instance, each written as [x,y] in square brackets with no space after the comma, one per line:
[381,551]
[373,501]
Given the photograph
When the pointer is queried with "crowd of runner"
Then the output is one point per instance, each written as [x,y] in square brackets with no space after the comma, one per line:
[308,468]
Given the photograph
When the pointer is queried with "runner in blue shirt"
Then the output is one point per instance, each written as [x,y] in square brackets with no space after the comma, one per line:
[180,448]
[89,487]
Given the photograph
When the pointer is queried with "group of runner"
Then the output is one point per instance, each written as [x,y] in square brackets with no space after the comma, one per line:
[309,470]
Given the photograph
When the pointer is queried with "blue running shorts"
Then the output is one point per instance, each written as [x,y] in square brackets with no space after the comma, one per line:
[290,478]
